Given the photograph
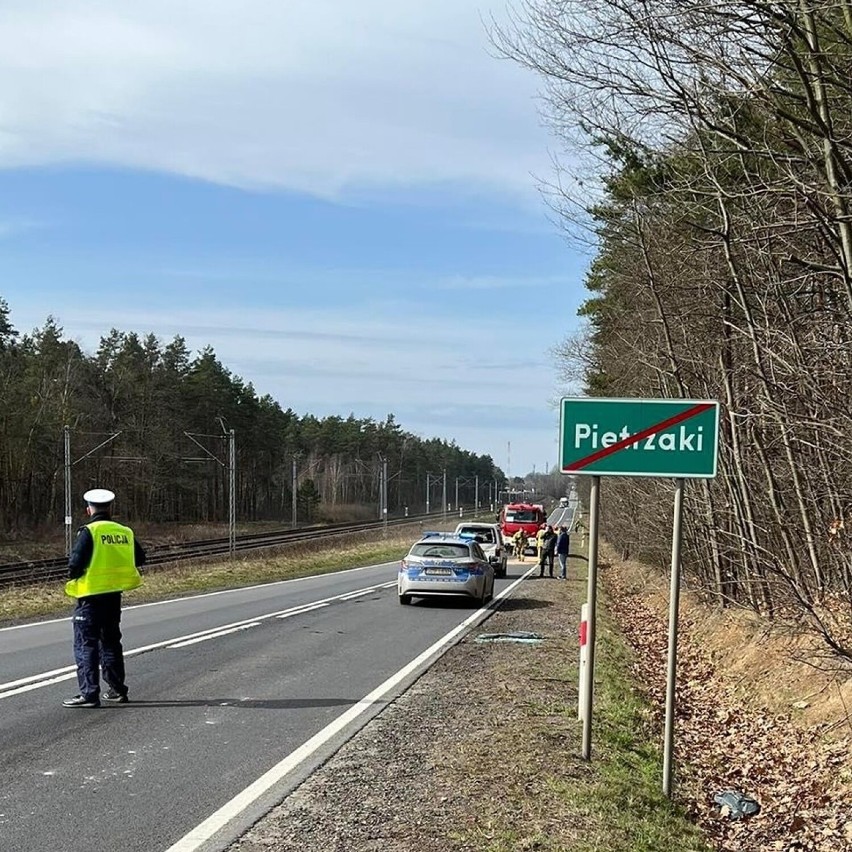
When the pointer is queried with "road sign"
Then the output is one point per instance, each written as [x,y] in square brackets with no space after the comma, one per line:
[639,437]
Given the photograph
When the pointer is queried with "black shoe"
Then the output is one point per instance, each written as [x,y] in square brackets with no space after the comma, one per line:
[81,701]
[115,697]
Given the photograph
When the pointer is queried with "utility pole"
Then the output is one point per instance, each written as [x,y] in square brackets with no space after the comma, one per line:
[476,493]
[456,504]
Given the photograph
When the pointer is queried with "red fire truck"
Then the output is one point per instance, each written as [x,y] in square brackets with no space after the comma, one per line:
[526,516]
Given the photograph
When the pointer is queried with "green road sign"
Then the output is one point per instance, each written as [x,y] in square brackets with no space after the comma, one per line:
[639,437]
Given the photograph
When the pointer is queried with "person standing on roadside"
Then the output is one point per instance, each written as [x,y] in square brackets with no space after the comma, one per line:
[104,562]
[519,543]
[563,548]
[547,549]
[539,537]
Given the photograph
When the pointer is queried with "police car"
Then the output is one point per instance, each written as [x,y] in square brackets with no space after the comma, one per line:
[444,564]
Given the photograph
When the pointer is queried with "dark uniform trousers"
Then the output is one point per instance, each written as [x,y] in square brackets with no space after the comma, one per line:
[97,643]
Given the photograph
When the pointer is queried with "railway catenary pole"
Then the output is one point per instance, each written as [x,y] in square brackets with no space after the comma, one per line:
[68,465]
[232,494]
[68,518]
[384,495]
[294,518]
[444,499]
[591,599]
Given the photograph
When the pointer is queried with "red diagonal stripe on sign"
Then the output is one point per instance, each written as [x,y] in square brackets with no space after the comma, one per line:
[650,430]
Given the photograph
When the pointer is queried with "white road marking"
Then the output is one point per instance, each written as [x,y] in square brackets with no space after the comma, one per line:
[43,679]
[198,836]
[301,610]
[32,624]
[214,635]
[357,595]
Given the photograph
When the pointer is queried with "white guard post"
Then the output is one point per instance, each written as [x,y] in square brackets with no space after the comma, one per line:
[584,672]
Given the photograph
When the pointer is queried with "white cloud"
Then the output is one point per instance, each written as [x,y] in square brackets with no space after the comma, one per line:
[322,96]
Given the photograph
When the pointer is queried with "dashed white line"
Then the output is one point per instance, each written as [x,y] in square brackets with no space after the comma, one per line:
[214,635]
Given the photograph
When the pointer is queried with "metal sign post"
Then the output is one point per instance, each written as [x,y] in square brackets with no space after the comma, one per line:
[675,438]
[591,601]
[674,600]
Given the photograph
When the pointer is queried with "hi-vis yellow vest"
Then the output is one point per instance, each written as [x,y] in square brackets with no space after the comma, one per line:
[113,564]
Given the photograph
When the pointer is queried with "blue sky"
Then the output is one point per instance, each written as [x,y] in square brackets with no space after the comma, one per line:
[342,200]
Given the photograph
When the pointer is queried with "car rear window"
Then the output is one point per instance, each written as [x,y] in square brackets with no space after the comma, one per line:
[441,551]
[486,534]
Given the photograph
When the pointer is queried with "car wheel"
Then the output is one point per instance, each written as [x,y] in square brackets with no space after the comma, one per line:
[405,600]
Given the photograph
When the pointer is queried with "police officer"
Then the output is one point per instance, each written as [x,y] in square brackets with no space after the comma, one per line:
[103,564]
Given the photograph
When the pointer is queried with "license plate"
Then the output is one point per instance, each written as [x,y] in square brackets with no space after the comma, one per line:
[442,571]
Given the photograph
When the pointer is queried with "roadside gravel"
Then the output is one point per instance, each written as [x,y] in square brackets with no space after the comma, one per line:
[481,754]
[422,775]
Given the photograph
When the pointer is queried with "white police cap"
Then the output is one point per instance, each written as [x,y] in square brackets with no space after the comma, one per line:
[99,496]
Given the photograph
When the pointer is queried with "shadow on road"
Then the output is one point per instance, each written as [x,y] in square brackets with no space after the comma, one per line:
[239,703]
[444,602]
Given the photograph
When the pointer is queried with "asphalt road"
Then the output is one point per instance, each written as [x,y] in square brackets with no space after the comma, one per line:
[566,516]
[223,688]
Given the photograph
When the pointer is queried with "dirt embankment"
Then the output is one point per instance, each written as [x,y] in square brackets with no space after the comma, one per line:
[752,714]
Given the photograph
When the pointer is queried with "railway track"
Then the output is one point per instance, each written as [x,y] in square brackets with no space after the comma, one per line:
[55,569]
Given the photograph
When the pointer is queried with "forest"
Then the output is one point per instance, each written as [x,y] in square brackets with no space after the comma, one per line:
[706,148]
[152,422]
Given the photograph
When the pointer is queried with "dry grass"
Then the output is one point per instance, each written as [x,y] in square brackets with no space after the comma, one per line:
[771,667]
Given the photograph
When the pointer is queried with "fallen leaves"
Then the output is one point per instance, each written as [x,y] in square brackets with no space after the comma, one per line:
[724,741]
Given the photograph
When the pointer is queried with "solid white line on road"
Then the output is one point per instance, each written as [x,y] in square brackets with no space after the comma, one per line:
[304,609]
[195,839]
[214,635]
[37,681]
[357,595]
